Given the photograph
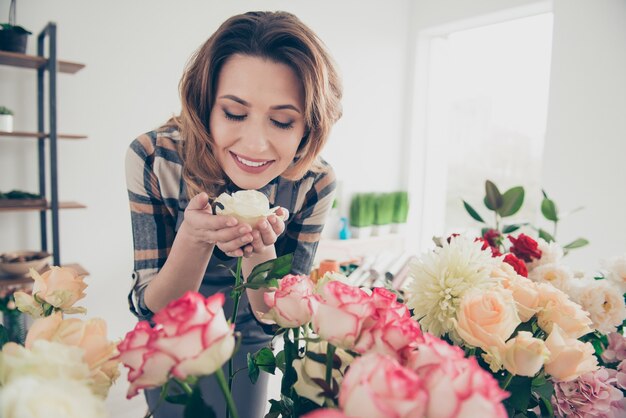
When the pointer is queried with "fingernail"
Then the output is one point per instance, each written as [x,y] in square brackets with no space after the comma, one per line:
[264,225]
[231,222]
[243,230]
[247,238]
[272,219]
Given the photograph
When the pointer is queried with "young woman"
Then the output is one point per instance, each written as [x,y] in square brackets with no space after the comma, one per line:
[259,99]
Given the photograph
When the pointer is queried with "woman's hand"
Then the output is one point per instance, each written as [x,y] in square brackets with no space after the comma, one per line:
[206,229]
[266,232]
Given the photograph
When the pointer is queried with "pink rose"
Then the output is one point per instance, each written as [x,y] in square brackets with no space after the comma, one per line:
[147,366]
[340,314]
[458,386]
[191,337]
[377,386]
[525,247]
[384,300]
[291,305]
[392,334]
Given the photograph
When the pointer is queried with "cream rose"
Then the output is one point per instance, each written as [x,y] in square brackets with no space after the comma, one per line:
[59,288]
[569,358]
[33,397]
[248,206]
[616,271]
[557,308]
[604,302]
[91,336]
[331,276]
[313,366]
[557,275]
[551,252]
[524,355]
[47,360]
[487,319]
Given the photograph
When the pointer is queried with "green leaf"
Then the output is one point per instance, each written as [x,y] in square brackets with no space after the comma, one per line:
[545,235]
[545,390]
[493,198]
[4,335]
[472,212]
[196,406]
[580,242]
[511,228]
[520,392]
[512,201]
[266,274]
[253,369]
[280,361]
[548,208]
[546,407]
[180,399]
[264,359]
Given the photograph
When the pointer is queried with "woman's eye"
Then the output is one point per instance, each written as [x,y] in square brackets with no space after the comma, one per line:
[234,117]
[282,125]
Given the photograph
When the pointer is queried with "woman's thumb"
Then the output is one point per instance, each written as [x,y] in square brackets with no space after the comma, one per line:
[199,201]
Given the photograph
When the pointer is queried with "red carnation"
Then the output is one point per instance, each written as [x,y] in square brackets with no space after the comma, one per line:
[525,247]
[495,252]
[492,236]
[517,264]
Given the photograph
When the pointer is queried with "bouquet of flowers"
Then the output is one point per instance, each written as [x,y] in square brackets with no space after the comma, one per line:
[549,335]
[66,366]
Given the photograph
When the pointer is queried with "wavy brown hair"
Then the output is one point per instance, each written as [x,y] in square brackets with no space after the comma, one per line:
[277,36]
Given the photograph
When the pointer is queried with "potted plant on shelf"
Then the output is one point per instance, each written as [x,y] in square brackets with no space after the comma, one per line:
[6,119]
[362,212]
[13,37]
[400,211]
[383,213]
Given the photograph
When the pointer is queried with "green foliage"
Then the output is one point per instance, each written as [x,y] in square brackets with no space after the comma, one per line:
[261,360]
[196,406]
[267,274]
[383,204]
[400,207]
[5,111]
[15,28]
[362,209]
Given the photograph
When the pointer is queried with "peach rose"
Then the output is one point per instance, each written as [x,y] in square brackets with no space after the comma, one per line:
[91,336]
[557,308]
[57,289]
[487,319]
[526,297]
[569,358]
[524,355]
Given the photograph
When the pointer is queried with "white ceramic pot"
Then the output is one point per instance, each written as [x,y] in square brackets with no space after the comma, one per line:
[381,230]
[6,123]
[361,232]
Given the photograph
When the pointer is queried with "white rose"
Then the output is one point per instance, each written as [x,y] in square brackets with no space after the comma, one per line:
[248,206]
[551,253]
[36,397]
[616,267]
[45,359]
[604,302]
[331,276]
[557,275]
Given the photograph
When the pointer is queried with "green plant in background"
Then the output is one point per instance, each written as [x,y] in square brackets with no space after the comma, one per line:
[400,207]
[383,204]
[507,204]
[362,210]
[5,111]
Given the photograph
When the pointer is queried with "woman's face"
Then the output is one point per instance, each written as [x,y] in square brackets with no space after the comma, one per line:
[257,120]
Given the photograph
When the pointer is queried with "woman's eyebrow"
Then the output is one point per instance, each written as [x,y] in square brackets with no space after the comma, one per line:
[247,104]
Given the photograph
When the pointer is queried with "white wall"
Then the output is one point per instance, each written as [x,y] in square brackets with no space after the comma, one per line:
[134,54]
[584,144]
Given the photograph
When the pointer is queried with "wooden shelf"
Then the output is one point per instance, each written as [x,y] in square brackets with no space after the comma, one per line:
[39,208]
[32,61]
[17,134]
[25,281]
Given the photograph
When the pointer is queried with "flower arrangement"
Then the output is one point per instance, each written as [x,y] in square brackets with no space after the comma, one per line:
[547,334]
[65,364]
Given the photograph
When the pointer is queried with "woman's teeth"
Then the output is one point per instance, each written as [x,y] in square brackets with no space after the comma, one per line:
[251,163]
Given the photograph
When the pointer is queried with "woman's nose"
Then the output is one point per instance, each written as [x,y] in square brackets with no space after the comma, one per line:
[256,137]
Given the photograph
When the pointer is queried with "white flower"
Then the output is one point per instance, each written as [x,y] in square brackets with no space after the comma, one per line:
[440,279]
[616,267]
[604,302]
[37,397]
[45,359]
[330,276]
[248,206]
[551,253]
[557,275]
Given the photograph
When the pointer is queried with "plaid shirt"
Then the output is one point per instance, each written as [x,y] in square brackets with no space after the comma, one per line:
[158,199]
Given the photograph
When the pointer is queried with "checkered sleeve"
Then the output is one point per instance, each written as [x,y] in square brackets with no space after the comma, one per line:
[303,231]
[152,221]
